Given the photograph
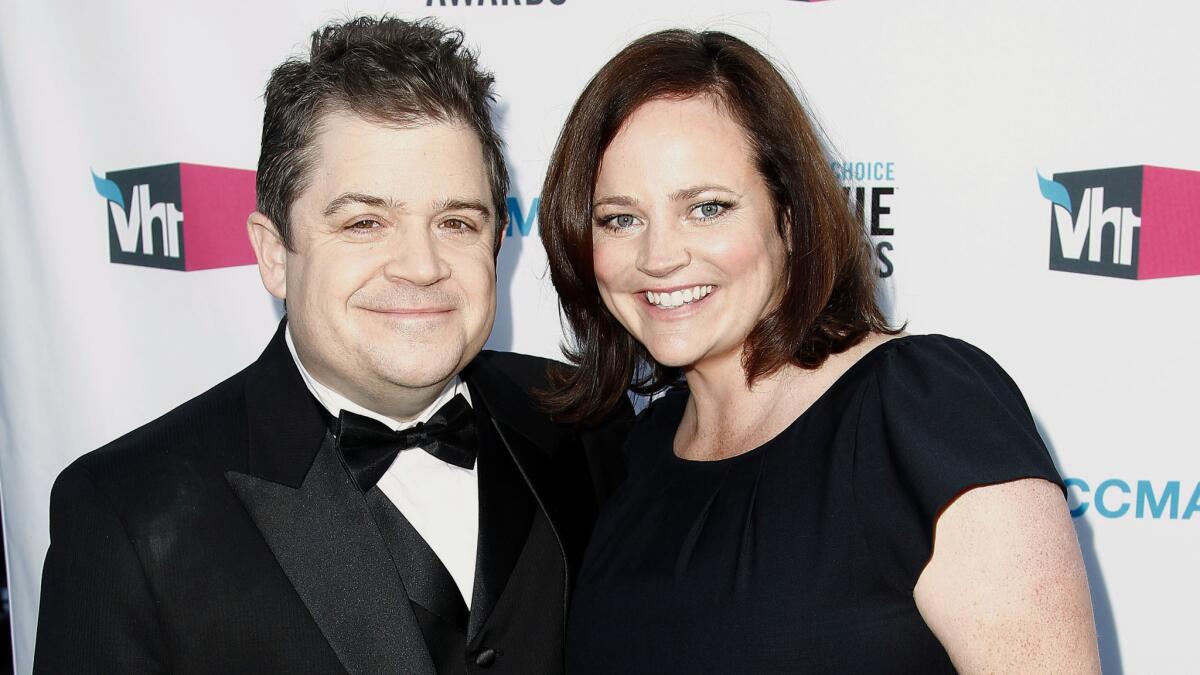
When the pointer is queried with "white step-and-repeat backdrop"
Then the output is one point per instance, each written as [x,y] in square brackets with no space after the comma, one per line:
[1030,172]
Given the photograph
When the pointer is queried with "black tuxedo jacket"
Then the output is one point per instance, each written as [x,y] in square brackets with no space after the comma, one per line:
[227,537]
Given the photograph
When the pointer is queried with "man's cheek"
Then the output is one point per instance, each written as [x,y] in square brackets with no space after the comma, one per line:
[338,280]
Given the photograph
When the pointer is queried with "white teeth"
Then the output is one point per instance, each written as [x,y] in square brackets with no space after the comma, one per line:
[678,298]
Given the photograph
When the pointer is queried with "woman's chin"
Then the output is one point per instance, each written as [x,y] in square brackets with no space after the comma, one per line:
[674,356]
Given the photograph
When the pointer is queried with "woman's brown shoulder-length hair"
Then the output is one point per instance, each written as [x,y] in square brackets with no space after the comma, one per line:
[828,291]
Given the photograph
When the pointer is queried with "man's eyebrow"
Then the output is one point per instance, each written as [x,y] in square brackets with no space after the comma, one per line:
[347,198]
[697,190]
[615,200]
[463,204]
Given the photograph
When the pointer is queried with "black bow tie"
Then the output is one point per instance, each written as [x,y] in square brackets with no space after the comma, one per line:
[369,446]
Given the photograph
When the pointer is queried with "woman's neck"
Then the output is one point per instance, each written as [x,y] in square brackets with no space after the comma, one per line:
[725,416]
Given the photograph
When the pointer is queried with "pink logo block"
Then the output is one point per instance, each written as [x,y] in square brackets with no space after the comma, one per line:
[216,202]
[1170,238]
[178,216]
[1131,222]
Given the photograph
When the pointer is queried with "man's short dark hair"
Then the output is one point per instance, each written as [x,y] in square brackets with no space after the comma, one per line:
[385,70]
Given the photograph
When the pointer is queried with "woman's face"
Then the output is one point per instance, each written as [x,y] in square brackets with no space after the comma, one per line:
[684,243]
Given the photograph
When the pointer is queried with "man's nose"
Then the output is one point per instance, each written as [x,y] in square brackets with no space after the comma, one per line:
[415,258]
[663,250]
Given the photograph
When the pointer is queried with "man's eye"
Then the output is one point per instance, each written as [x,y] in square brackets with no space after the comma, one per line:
[364,225]
[457,224]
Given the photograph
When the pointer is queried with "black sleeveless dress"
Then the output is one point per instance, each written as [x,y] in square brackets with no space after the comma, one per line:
[800,556]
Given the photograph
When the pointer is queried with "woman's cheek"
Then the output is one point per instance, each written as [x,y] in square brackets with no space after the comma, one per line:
[609,263]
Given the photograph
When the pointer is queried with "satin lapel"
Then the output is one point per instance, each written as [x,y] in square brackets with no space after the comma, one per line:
[327,543]
[286,421]
[549,460]
[562,488]
[506,507]
[425,577]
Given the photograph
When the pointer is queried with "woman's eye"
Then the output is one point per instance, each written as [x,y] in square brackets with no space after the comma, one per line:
[618,221]
[709,210]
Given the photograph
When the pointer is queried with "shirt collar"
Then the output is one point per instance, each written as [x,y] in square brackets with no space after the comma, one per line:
[335,403]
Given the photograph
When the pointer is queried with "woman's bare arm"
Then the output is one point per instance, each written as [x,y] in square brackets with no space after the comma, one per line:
[1006,590]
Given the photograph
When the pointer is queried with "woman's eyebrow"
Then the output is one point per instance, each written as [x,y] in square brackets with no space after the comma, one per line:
[615,200]
[697,190]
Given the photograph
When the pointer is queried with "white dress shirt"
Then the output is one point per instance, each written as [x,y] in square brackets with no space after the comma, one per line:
[441,500]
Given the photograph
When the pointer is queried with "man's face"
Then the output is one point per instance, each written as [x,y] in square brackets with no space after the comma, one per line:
[391,287]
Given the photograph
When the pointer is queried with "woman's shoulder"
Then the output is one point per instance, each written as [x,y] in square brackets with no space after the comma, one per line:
[937,418]
[662,410]
[928,348]
[935,368]
[655,423]
[930,387]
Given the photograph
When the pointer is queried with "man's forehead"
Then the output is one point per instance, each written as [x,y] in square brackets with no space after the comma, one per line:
[347,201]
[416,167]
[340,133]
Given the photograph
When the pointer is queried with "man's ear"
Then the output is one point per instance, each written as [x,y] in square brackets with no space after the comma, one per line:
[271,252]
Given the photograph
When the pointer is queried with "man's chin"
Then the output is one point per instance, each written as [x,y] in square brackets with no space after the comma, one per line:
[421,370]
[417,361]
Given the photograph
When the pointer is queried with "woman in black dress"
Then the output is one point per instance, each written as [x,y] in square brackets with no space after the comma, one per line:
[782,506]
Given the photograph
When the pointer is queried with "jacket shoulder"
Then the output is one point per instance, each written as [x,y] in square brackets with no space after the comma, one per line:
[207,430]
[529,373]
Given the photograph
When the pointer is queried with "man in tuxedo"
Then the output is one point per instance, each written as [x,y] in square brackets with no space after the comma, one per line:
[374,494]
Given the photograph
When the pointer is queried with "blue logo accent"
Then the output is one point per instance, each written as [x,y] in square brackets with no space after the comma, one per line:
[522,220]
[1055,192]
[1116,498]
[108,190]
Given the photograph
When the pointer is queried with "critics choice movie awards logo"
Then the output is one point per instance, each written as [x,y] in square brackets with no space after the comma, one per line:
[1133,222]
[521,220]
[869,187]
[1141,499]
[178,216]
[491,3]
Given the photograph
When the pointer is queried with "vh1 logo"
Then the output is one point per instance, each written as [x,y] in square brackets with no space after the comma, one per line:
[178,216]
[1132,222]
